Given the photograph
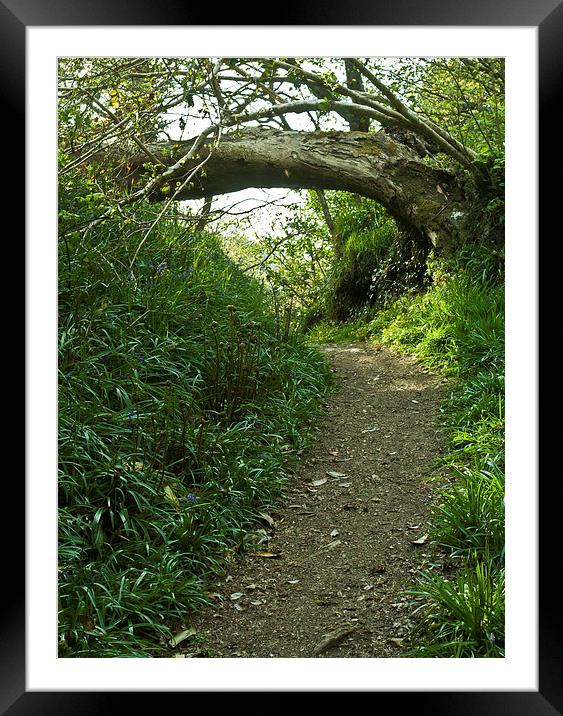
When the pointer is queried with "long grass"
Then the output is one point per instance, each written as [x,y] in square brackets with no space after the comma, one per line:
[182,405]
[464,613]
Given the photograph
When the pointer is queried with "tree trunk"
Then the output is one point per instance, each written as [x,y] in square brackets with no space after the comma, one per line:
[354,81]
[329,221]
[425,198]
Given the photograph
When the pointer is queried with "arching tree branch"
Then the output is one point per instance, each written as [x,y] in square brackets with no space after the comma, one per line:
[371,164]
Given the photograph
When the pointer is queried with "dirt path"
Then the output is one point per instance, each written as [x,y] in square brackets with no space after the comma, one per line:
[345,536]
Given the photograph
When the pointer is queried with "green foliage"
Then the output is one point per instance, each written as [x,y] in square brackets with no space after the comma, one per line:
[469,520]
[373,260]
[182,405]
[350,281]
[365,236]
[457,327]
[293,263]
[464,96]
[463,616]
[95,94]
[334,273]
[485,212]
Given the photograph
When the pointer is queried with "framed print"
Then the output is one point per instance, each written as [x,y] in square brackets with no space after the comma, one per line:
[37,676]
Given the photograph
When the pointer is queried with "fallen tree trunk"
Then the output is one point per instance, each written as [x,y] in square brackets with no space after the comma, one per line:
[424,198]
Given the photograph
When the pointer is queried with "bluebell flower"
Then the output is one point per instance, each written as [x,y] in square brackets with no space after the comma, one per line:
[130,415]
[192,498]
[161,268]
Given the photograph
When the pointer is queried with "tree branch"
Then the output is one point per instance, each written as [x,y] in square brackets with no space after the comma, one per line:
[442,138]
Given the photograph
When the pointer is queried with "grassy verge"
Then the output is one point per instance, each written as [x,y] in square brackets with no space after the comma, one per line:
[182,405]
[457,327]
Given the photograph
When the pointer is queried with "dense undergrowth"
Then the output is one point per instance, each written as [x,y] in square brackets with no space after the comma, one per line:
[457,328]
[182,405]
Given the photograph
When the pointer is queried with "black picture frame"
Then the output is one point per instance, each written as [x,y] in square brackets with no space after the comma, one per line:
[547,17]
